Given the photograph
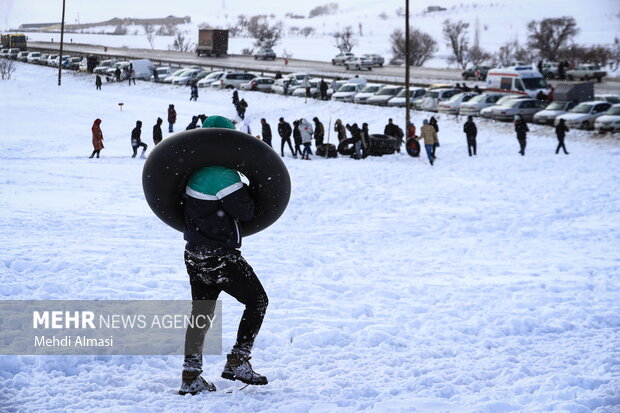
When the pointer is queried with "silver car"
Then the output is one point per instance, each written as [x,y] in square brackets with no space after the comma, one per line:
[382,97]
[377,60]
[452,105]
[584,114]
[340,58]
[526,108]
[358,63]
[474,105]
[486,112]
[415,93]
[555,109]
[366,93]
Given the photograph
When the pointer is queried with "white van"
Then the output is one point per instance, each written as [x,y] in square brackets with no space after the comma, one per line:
[523,80]
[143,69]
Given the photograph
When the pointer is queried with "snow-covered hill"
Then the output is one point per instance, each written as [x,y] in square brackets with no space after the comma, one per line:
[484,284]
[498,21]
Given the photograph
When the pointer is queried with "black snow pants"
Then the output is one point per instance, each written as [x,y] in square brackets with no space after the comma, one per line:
[135,148]
[212,271]
[471,145]
[561,146]
[522,145]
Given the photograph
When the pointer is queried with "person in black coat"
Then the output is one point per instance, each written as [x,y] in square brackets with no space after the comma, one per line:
[560,132]
[235,98]
[241,107]
[470,132]
[193,124]
[285,131]
[323,88]
[296,138]
[98,82]
[319,132]
[266,131]
[136,142]
[157,135]
[522,130]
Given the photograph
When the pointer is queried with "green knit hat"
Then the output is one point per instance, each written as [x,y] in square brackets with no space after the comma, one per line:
[217,121]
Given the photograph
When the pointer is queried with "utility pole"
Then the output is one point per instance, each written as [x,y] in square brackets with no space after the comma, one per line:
[62,34]
[407,103]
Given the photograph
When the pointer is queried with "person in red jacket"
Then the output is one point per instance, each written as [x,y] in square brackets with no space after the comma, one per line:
[97,138]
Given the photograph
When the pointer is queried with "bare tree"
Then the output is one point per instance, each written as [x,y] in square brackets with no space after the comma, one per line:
[512,53]
[455,35]
[181,43]
[615,55]
[421,46]
[149,30]
[266,35]
[344,40]
[7,68]
[476,54]
[550,35]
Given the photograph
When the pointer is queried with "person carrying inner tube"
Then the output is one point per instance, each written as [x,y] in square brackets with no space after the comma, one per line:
[215,201]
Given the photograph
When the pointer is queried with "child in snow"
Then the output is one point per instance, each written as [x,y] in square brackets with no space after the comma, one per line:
[215,201]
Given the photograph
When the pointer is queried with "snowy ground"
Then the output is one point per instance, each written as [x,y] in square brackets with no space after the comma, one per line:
[485,284]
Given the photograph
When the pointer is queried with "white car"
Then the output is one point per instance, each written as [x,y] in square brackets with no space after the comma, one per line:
[433,97]
[452,105]
[210,78]
[382,97]
[609,121]
[313,92]
[334,86]
[232,80]
[162,73]
[366,93]
[486,112]
[358,63]
[474,105]
[526,108]
[101,69]
[186,77]
[262,84]
[400,100]
[33,57]
[285,86]
[347,92]
[340,58]
[50,59]
[5,53]
[555,109]
[174,75]
[23,56]
[584,114]
[111,72]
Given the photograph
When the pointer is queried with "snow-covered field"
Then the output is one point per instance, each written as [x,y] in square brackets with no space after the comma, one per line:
[373,21]
[486,284]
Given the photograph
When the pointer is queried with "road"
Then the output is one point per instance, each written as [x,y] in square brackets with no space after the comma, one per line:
[388,74]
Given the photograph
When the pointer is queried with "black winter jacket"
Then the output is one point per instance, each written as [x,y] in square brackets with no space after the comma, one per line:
[266,131]
[470,129]
[215,223]
[521,129]
[284,130]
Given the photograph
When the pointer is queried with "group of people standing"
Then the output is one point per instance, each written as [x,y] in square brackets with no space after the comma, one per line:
[302,132]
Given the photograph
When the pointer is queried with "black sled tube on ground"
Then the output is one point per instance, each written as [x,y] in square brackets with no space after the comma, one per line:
[413,147]
[175,159]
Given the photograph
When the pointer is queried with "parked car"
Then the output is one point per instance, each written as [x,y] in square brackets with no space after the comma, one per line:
[474,105]
[103,66]
[367,92]
[347,92]
[340,58]
[586,72]
[162,73]
[262,84]
[358,63]
[13,52]
[609,121]
[433,97]
[486,112]
[526,108]
[5,53]
[33,57]
[285,86]
[452,105]
[22,56]
[186,77]
[382,97]
[110,74]
[210,78]
[549,70]
[555,109]
[313,92]
[415,93]
[377,60]
[613,99]
[231,80]
[584,114]
[334,86]
[175,74]
[50,59]
[265,54]
[72,62]
[476,73]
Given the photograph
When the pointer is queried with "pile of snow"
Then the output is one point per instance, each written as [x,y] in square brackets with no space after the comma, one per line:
[484,284]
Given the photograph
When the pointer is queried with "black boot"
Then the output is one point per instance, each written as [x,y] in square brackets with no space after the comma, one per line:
[238,367]
[193,383]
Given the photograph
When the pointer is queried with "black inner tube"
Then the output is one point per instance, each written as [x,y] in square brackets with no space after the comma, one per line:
[175,159]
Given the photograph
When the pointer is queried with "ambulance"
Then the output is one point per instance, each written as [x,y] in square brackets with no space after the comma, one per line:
[523,80]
